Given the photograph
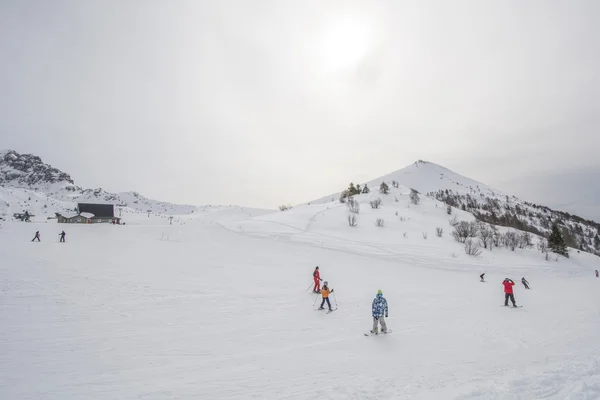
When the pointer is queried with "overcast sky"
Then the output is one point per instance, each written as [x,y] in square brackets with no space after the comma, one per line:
[260,103]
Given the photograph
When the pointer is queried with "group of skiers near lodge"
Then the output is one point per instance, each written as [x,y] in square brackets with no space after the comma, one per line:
[379,307]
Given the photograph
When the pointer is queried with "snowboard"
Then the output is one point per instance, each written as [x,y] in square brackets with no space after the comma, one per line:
[377,334]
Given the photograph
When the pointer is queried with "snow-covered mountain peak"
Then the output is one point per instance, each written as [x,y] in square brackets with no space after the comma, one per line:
[29,171]
[426,176]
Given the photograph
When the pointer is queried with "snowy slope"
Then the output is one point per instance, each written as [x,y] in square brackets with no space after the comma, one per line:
[218,308]
[486,203]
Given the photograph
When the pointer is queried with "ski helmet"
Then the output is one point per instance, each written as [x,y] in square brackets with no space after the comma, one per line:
[380,292]
[325,283]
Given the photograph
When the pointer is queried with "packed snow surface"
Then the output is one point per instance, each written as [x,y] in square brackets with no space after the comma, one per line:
[218,306]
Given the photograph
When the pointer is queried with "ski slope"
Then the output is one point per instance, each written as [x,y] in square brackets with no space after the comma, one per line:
[216,307]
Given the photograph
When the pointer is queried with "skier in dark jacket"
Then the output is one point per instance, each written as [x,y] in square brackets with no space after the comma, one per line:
[37,236]
[525,283]
[62,236]
[596,273]
[379,309]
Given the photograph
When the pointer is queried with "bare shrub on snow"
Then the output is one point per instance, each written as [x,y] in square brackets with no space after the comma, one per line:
[511,240]
[472,248]
[375,203]
[464,230]
[352,220]
[379,222]
[425,235]
[485,235]
[525,240]
[439,231]
[285,207]
[454,221]
[353,205]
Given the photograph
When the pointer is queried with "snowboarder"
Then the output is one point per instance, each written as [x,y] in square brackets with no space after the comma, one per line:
[379,309]
[62,236]
[525,283]
[596,273]
[317,279]
[508,292]
[325,293]
[481,276]
[37,236]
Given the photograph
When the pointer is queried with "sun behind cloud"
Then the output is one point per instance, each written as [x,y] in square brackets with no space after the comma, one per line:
[344,43]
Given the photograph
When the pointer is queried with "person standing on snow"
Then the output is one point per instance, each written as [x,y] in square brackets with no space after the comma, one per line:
[379,309]
[37,236]
[325,293]
[525,283]
[508,292]
[596,273]
[62,236]
[481,276]
[317,279]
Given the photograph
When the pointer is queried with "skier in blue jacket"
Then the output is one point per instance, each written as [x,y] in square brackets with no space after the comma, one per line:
[380,309]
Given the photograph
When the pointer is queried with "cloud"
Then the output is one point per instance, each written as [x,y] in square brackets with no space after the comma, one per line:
[229,102]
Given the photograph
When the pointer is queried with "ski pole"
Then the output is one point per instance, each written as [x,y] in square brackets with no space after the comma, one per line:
[334,299]
[315,302]
[308,287]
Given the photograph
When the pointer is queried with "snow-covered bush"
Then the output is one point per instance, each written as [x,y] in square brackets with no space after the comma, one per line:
[379,222]
[375,203]
[439,231]
[353,205]
[464,230]
[472,248]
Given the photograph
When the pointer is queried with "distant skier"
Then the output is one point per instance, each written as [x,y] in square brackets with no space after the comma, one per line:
[508,292]
[481,277]
[379,309]
[37,236]
[525,283]
[62,236]
[325,292]
[317,279]
[596,273]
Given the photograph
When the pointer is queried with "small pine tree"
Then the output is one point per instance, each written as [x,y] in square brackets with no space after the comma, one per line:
[384,188]
[414,197]
[366,189]
[351,189]
[557,243]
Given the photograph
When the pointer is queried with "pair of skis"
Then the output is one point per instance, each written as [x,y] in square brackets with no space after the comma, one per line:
[377,334]
[328,311]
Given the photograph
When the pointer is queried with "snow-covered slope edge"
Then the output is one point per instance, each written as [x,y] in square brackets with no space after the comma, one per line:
[486,204]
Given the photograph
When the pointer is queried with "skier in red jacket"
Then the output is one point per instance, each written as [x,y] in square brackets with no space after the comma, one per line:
[508,292]
[317,279]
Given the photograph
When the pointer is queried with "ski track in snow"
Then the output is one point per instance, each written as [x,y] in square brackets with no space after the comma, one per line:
[220,310]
